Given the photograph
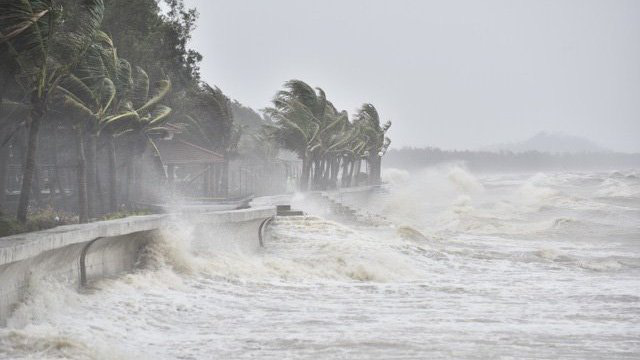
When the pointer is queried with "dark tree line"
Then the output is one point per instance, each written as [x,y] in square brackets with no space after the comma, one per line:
[89,87]
[90,80]
[328,143]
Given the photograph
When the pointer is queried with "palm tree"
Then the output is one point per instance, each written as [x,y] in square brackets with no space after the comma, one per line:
[123,81]
[213,126]
[139,120]
[106,71]
[10,111]
[88,94]
[299,114]
[45,49]
[376,142]
[119,71]
[332,138]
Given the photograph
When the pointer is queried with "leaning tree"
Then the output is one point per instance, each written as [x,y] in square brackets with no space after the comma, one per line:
[87,95]
[212,125]
[377,143]
[140,118]
[45,45]
[298,112]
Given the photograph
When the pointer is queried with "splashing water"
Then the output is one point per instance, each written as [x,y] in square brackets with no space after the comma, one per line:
[540,266]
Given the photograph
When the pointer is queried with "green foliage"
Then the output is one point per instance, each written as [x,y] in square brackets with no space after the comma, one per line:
[153,41]
[298,113]
[246,117]
[121,70]
[43,42]
[211,121]
[306,123]
[40,219]
[368,120]
[47,218]
[141,114]
[126,213]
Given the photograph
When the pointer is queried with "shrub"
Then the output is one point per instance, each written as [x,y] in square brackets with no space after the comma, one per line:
[39,219]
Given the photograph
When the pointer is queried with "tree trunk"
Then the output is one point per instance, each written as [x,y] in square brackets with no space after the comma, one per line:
[326,173]
[374,169]
[356,171]
[352,165]
[326,178]
[56,166]
[134,192]
[83,207]
[215,180]
[99,194]
[335,168]
[224,183]
[4,164]
[306,172]
[317,174]
[91,171]
[36,189]
[323,176]
[129,183]
[345,172]
[30,162]
[314,174]
[378,170]
[312,169]
[113,177]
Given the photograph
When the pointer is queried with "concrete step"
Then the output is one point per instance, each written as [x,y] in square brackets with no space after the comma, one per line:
[290,213]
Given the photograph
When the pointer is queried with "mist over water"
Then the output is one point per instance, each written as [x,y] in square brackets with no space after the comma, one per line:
[541,266]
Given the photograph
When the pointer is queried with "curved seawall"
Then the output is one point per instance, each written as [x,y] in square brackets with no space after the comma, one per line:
[78,254]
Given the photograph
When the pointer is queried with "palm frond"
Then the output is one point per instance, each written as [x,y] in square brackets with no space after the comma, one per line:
[140,90]
[161,88]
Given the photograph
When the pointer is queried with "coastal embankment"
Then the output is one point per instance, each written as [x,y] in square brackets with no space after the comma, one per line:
[80,254]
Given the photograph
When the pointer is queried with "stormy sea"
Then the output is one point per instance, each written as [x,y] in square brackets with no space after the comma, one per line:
[442,263]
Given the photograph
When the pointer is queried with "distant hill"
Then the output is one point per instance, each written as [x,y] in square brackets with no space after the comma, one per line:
[551,143]
[420,158]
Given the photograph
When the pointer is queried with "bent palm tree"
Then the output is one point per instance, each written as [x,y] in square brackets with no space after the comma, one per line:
[140,119]
[88,95]
[377,143]
[44,49]
[299,113]
[212,124]
[108,65]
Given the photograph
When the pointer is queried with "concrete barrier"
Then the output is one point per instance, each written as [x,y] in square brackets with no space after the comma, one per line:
[359,197]
[78,254]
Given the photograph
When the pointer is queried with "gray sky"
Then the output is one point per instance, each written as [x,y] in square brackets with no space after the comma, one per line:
[453,74]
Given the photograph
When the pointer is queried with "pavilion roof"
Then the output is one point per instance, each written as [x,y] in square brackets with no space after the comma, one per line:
[178,152]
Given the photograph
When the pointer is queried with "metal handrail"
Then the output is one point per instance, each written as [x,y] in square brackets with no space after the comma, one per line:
[262,228]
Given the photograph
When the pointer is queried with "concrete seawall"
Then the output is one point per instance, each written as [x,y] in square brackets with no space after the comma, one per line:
[78,254]
[357,196]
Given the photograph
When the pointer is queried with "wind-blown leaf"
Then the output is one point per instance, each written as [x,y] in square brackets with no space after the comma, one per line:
[72,86]
[77,107]
[159,115]
[140,91]
[115,122]
[106,94]
[161,89]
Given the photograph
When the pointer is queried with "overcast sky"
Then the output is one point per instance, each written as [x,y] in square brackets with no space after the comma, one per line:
[453,74]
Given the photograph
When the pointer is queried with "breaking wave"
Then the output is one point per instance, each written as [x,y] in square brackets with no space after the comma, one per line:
[464,258]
